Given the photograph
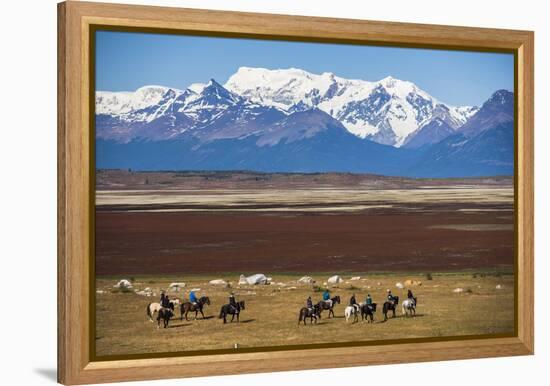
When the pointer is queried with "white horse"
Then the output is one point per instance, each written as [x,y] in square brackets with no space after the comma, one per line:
[408,307]
[153,308]
[350,311]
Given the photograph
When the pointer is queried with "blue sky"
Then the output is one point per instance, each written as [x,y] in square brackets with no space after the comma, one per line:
[126,61]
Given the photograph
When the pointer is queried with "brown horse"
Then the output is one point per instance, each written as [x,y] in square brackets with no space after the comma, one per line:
[197,307]
[312,313]
[323,305]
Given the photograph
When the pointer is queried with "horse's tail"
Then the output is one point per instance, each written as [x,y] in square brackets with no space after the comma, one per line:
[300,315]
[221,313]
[149,311]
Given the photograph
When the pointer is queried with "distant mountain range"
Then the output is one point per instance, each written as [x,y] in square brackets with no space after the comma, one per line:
[292,120]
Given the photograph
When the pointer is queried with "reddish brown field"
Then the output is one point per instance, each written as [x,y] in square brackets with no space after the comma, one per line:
[419,228]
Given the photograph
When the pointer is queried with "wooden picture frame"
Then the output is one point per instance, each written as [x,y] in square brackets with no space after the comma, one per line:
[76,365]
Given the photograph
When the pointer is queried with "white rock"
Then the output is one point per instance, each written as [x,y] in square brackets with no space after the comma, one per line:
[194,289]
[99,292]
[379,284]
[291,288]
[335,279]
[218,282]
[458,290]
[399,285]
[355,278]
[498,286]
[306,279]
[123,284]
[258,278]
[176,286]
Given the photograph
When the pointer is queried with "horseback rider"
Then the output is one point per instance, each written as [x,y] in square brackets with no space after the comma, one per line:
[391,298]
[193,298]
[309,303]
[326,298]
[411,297]
[166,304]
[368,301]
[162,296]
[233,303]
[353,302]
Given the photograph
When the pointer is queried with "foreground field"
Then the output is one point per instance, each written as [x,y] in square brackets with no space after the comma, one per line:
[271,315]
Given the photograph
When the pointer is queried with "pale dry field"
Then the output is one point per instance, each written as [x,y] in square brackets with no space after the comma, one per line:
[302,200]
[271,315]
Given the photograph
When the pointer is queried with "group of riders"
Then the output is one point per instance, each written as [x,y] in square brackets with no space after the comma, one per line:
[167,304]
[353,301]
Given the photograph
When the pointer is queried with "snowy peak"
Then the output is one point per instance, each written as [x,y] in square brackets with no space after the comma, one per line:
[386,111]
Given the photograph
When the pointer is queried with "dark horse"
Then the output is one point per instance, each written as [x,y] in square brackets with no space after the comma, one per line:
[165,314]
[312,313]
[367,312]
[228,309]
[197,307]
[323,305]
[390,306]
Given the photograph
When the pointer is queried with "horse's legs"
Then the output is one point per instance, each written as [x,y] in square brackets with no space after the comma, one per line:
[186,312]
[202,314]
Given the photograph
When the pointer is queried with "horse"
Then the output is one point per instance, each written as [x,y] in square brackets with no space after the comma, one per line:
[312,313]
[352,311]
[324,305]
[367,312]
[408,307]
[390,306]
[197,307]
[153,308]
[228,309]
[165,314]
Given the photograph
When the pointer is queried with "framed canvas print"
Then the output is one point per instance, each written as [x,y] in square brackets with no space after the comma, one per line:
[249,192]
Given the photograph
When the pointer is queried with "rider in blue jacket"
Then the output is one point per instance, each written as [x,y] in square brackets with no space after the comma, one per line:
[326,298]
[192,297]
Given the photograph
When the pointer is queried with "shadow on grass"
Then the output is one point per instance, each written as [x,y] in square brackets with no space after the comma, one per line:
[400,317]
[179,325]
[192,318]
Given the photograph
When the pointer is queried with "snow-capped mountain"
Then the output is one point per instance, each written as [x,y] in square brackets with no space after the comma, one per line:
[293,120]
[387,111]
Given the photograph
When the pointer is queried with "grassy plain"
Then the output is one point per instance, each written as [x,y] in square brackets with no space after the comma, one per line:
[271,315]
